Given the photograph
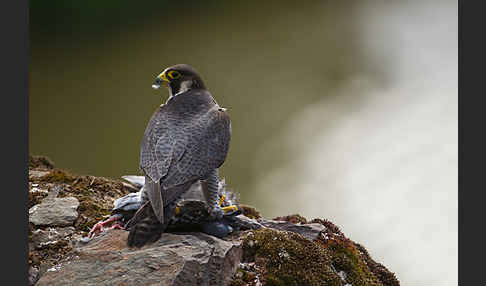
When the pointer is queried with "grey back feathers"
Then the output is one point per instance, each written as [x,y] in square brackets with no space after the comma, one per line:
[185,139]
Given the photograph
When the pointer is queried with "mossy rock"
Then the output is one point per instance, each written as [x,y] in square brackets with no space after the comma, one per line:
[289,259]
[95,196]
[276,257]
[353,259]
[270,256]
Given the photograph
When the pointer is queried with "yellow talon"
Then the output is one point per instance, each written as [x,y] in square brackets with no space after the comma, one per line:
[221,201]
[230,208]
[177,210]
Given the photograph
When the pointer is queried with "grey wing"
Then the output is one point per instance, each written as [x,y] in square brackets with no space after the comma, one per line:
[156,147]
[178,154]
[204,149]
[155,158]
[218,138]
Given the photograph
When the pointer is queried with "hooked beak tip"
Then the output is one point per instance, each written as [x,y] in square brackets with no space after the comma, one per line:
[161,79]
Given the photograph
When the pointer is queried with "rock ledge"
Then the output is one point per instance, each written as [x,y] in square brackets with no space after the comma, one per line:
[287,250]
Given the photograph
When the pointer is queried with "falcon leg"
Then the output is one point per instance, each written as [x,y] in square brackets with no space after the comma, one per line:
[212,194]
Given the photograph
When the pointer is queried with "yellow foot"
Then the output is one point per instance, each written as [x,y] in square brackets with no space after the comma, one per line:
[230,209]
[221,201]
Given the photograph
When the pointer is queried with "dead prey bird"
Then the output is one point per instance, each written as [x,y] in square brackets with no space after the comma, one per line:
[186,140]
[190,210]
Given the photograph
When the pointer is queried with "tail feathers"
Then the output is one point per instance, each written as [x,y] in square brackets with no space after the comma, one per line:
[144,227]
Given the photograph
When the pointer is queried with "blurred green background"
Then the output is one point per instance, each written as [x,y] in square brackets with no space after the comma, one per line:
[93,63]
[345,110]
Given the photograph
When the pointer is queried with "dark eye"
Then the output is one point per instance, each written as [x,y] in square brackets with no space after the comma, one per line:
[174,74]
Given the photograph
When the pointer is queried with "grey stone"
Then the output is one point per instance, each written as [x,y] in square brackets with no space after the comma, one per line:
[37,174]
[54,212]
[309,231]
[175,259]
[41,237]
[241,222]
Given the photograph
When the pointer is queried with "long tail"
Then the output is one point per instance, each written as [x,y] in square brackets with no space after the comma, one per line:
[144,227]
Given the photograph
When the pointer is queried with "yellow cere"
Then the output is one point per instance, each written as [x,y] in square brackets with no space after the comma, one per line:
[163,77]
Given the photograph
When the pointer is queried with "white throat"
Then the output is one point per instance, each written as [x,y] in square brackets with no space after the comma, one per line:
[185,86]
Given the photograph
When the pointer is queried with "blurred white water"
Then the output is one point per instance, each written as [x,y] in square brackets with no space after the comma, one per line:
[380,159]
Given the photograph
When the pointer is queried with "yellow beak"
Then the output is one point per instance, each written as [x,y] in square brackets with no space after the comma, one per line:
[160,79]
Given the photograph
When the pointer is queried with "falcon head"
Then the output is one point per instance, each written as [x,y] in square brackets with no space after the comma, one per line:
[179,78]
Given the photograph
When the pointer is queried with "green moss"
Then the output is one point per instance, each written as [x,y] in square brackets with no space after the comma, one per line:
[286,258]
[289,259]
[346,258]
[386,277]
[350,259]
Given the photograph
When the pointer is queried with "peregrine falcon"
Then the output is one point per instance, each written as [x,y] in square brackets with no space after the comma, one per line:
[187,139]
